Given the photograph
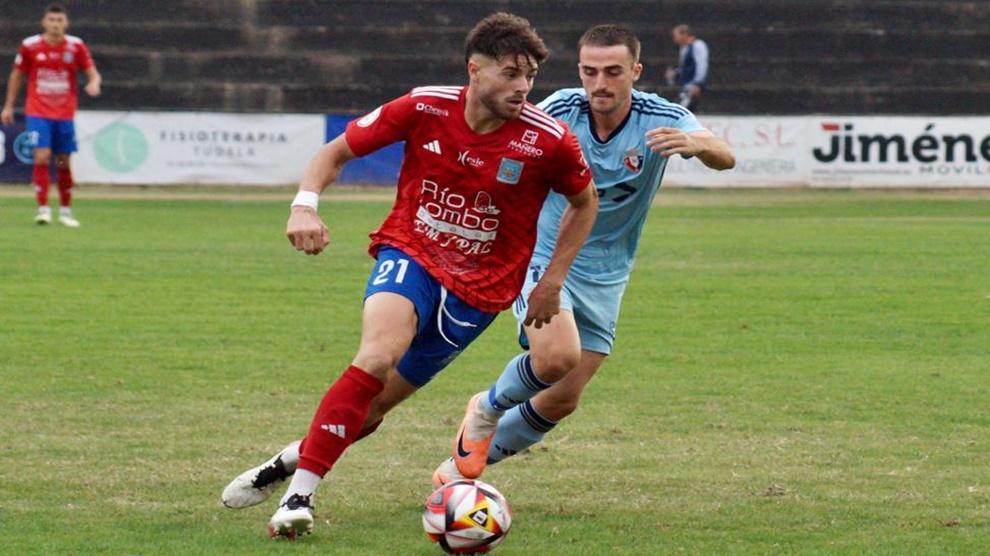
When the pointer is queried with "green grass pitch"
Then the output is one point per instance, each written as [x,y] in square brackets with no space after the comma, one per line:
[795,373]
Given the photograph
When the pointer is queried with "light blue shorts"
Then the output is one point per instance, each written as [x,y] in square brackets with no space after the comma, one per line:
[595,307]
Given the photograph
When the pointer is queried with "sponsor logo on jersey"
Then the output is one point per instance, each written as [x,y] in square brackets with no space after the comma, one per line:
[370,118]
[465,159]
[509,171]
[526,149]
[633,159]
[433,146]
[423,107]
[451,220]
[530,137]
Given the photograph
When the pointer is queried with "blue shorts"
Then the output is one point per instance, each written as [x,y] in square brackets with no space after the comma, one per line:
[595,307]
[445,323]
[57,135]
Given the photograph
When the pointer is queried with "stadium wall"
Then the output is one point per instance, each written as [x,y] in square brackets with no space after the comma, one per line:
[772,151]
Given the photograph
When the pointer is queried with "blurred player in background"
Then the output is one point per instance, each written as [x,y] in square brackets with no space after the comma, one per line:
[627,137]
[691,74]
[50,61]
[479,162]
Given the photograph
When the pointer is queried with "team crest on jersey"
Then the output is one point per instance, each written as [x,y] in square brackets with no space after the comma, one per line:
[509,171]
[633,159]
[68,57]
[41,57]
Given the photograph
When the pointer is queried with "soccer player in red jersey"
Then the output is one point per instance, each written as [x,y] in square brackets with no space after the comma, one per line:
[479,162]
[51,61]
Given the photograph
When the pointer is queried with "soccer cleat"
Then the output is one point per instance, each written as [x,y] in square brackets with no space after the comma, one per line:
[66,219]
[470,449]
[44,216]
[292,518]
[445,473]
[257,484]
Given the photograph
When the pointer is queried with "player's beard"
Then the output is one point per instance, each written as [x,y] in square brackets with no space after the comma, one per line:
[504,109]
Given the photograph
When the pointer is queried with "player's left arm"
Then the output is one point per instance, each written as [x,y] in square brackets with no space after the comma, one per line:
[93,82]
[710,150]
[575,225]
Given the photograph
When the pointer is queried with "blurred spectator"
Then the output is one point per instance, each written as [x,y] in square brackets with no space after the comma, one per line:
[692,70]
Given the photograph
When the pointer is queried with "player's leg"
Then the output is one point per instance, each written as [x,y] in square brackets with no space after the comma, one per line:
[257,484]
[40,131]
[63,145]
[526,424]
[596,311]
[388,327]
[555,349]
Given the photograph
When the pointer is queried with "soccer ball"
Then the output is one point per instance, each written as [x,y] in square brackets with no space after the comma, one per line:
[466,517]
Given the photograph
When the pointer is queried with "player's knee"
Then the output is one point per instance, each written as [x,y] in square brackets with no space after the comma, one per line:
[374,363]
[556,408]
[62,161]
[555,363]
[42,157]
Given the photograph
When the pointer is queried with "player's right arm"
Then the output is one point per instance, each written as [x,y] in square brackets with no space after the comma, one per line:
[13,88]
[14,85]
[305,230]
[383,126]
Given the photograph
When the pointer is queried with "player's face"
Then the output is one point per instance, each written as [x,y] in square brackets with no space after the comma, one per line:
[502,85]
[608,74]
[55,23]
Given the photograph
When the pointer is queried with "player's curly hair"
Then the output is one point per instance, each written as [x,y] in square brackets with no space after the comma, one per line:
[503,34]
[611,35]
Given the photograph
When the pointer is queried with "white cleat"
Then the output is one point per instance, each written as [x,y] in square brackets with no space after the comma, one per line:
[446,472]
[44,216]
[293,517]
[257,484]
[67,220]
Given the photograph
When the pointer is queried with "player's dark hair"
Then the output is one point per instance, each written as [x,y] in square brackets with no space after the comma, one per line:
[611,35]
[56,8]
[503,34]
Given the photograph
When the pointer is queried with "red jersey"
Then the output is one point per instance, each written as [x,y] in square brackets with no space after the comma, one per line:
[467,203]
[51,70]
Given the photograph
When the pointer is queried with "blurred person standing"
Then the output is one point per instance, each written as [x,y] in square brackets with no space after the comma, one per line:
[51,62]
[691,74]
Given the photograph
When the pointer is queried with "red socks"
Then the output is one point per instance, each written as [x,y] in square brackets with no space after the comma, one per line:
[338,420]
[42,181]
[64,178]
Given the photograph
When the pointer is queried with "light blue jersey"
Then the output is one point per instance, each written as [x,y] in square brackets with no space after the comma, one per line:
[627,175]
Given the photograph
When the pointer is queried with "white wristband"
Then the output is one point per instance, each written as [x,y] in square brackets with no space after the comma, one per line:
[307,199]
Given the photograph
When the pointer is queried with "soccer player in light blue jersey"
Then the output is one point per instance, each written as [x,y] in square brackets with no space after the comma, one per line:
[627,137]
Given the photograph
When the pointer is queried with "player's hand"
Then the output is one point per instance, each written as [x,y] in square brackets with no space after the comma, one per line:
[695,90]
[668,141]
[306,232]
[7,116]
[544,303]
[93,89]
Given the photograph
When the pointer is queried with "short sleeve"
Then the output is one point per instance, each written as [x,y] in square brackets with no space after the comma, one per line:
[22,62]
[387,124]
[570,171]
[688,123]
[84,58]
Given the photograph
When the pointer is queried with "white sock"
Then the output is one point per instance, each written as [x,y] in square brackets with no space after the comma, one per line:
[65,211]
[44,209]
[303,483]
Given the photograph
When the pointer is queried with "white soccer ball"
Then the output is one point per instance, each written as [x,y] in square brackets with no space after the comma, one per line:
[466,517]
